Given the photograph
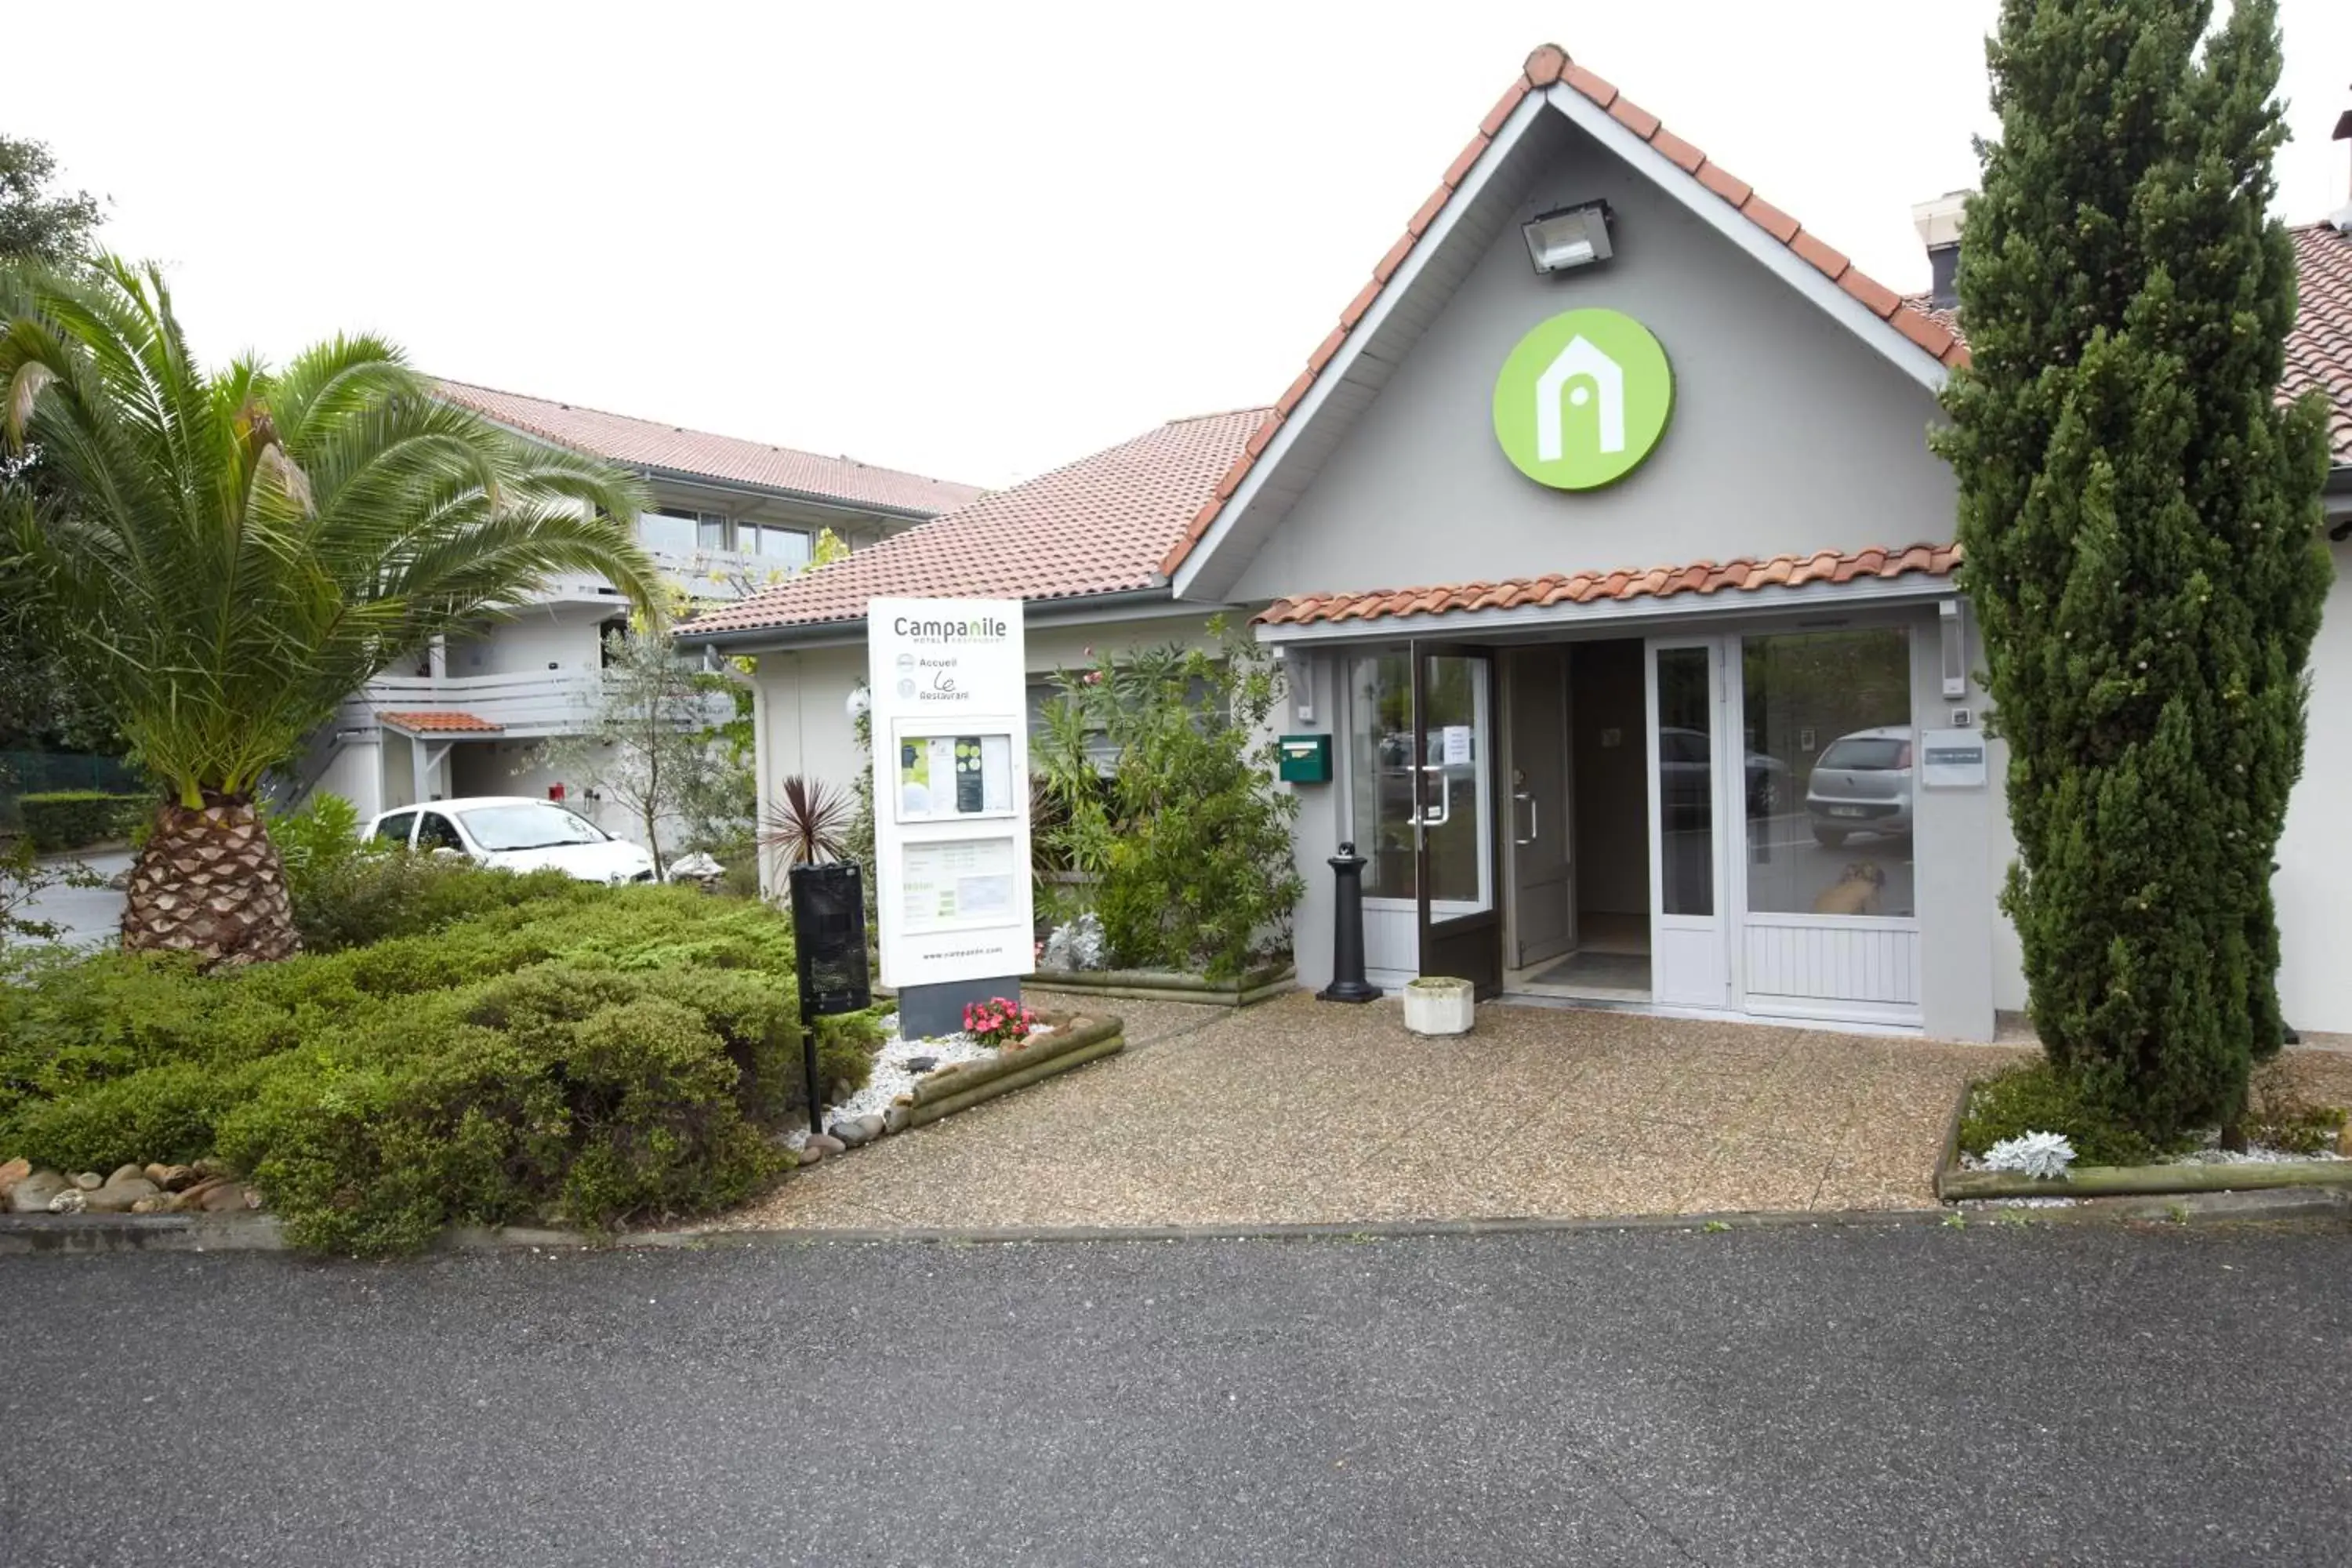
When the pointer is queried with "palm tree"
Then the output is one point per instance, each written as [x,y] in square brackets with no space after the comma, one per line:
[227,556]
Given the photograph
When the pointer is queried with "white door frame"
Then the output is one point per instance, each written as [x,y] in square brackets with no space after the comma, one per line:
[1691,956]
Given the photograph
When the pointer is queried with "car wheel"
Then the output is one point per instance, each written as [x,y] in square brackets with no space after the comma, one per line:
[1828,837]
[1763,797]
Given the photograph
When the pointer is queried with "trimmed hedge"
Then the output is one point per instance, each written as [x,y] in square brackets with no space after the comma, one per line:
[72,818]
[592,1056]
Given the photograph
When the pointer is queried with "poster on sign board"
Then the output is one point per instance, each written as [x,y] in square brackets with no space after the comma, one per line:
[948,681]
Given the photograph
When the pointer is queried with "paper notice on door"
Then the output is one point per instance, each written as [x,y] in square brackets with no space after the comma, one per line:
[1456,753]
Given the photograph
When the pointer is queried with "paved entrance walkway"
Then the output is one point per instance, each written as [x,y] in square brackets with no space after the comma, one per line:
[1299,1111]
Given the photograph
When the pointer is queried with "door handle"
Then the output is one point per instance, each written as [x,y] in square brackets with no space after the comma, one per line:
[1437,815]
[1535,828]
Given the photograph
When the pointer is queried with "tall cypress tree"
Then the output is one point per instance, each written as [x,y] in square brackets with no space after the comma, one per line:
[2141,522]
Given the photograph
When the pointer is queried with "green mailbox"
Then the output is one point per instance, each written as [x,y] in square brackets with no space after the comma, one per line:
[1306,759]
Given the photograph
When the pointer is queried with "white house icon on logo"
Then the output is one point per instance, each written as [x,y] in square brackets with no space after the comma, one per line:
[1580,359]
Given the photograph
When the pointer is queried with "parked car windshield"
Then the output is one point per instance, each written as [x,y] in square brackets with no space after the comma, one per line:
[528,827]
[1867,751]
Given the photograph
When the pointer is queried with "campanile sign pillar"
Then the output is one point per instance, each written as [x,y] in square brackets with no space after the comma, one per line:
[949,680]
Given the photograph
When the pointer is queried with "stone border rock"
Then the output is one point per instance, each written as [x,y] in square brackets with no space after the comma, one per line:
[1954,1184]
[1260,985]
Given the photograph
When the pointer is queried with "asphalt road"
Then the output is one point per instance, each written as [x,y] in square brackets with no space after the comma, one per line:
[89,916]
[1880,1395]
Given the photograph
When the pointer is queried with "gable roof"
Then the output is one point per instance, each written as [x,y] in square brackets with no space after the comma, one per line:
[2318,346]
[696,454]
[1551,77]
[1096,526]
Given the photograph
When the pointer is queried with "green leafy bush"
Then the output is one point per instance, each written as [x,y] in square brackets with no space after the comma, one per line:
[589,1056]
[348,891]
[1160,773]
[74,818]
[2039,1097]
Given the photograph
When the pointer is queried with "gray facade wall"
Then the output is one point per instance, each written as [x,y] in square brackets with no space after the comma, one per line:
[1789,433]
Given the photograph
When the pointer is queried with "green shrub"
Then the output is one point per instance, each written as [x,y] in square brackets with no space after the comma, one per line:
[348,891]
[1187,837]
[73,818]
[588,1055]
[2038,1097]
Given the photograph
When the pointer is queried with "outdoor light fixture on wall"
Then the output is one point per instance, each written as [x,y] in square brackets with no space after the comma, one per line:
[1568,238]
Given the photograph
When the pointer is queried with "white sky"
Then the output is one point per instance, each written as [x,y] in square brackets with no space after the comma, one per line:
[975,241]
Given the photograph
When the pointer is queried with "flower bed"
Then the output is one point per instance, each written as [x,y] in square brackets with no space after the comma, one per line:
[957,1072]
[2014,1136]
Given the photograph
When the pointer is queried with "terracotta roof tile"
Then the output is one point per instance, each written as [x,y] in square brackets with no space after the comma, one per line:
[1595,587]
[2319,350]
[1504,107]
[2318,347]
[1097,526]
[1634,117]
[441,724]
[1831,262]
[1678,152]
[1880,299]
[1545,65]
[1724,183]
[1770,218]
[648,443]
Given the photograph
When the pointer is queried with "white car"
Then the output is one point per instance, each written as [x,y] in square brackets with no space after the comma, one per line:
[515,833]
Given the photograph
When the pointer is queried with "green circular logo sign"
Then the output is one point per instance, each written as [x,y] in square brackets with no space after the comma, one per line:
[1582,399]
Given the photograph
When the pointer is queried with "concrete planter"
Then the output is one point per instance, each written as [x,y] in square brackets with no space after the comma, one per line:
[1436,1006]
[1252,986]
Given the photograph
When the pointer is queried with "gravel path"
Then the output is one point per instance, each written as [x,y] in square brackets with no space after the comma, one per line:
[1299,1111]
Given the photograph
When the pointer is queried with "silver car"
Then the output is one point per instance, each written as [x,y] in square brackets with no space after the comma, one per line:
[1862,784]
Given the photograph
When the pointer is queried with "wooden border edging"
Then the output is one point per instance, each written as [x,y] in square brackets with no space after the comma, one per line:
[1954,1184]
[2146,1181]
[1031,1071]
[1260,985]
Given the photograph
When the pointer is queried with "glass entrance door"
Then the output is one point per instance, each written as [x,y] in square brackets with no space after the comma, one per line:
[1689,817]
[1453,796]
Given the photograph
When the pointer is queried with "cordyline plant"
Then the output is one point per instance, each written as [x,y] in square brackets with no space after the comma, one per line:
[226,556]
[2141,521]
[809,822]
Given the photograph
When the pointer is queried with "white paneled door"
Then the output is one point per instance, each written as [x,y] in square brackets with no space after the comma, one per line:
[1692,759]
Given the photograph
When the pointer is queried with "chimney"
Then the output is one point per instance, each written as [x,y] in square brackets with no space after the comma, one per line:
[1938,223]
[2342,217]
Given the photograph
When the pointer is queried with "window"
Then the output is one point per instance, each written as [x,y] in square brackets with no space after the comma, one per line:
[1827,720]
[785,547]
[434,832]
[610,636]
[1380,770]
[1685,781]
[528,827]
[395,829]
[712,534]
[666,528]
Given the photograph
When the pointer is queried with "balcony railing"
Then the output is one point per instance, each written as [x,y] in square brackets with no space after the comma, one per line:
[556,703]
[703,574]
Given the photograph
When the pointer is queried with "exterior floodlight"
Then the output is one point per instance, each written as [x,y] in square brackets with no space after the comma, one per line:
[1568,238]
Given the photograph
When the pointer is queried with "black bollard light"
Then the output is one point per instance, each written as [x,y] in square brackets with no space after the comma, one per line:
[1348,983]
